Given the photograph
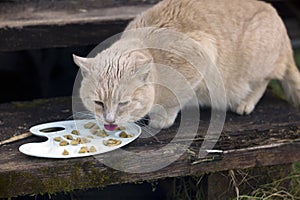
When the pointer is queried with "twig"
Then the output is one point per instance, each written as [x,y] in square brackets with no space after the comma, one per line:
[233,178]
[16,138]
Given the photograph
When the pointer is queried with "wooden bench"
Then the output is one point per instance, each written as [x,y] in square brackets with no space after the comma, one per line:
[270,136]
[43,24]
[61,23]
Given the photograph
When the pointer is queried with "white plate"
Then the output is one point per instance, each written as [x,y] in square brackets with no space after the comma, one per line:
[52,149]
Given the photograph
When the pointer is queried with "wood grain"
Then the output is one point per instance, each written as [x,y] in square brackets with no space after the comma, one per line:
[48,24]
[269,136]
[42,24]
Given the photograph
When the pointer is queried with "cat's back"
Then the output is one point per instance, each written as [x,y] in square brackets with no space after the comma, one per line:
[207,15]
[238,35]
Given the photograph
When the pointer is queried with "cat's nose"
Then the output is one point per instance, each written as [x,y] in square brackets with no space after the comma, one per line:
[110,118]
[110,121]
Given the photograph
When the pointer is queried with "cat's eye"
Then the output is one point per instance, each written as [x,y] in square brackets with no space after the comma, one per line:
[99,103]
[124,103]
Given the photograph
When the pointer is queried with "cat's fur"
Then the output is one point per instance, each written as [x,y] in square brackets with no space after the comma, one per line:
[245,39]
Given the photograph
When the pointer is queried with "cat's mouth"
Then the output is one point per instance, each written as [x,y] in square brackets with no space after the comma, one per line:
[110,127]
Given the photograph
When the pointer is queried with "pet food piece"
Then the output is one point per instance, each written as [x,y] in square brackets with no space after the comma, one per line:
[92,149]
[63,143]
[120,128]
[111,142]
[93,131]
[65,152]
[75,142]
[102,133]
[84,140]
[83,150]
[95,127]
[89,125]
[78,139]
[123,134]
[75,132]
[57,139]
[69,137]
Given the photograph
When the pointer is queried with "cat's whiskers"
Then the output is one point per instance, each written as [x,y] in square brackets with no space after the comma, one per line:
[161,116]
[82,115]
[146,129]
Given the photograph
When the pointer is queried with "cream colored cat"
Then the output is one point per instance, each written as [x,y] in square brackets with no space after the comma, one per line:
[245,39]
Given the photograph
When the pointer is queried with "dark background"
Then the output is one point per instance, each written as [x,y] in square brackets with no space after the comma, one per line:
[43,73]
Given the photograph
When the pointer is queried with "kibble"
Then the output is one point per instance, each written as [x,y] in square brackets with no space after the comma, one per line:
[63,143]
[68,137]
[111,142]
[74,138]
[93,131]
[84,140]
[95,127]
[57,139]
[123,134]
[92,149]
[89,125]
[120,128]
[75,132]
[102,133]
[65,152]
[83,150]
[74,142]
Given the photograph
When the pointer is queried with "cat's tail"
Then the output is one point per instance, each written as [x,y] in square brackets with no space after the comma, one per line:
[291,83]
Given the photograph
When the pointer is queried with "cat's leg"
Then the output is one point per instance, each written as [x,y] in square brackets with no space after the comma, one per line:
[247,105]
[162,117]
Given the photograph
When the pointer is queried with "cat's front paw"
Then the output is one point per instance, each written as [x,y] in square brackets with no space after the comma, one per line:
[161,118]
[244,108]
[158,123]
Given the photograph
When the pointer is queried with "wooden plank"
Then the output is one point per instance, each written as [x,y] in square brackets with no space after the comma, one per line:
[42,24]
[269,136]
[28,13]
[46,24]
[46,36]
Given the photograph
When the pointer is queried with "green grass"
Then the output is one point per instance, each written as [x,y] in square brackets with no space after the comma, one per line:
[275,87]
[285,188]
[266,183]
[297,57]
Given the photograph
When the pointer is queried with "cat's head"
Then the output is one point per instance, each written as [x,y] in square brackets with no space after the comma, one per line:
[117,87]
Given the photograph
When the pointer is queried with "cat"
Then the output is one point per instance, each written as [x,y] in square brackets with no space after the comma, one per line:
[245,40]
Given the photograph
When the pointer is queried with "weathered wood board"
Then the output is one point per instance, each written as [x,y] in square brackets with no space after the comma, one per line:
[47,24]
[42,24]
[269,136]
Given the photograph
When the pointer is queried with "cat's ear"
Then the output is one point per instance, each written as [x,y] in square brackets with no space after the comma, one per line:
[142,63]
[83,63]
[140,59]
